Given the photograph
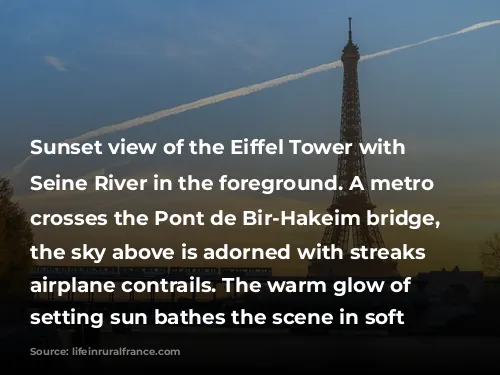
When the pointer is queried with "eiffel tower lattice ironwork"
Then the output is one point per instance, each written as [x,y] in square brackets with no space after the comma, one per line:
[350,165]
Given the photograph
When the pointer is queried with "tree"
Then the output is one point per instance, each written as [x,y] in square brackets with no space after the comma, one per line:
[16,239]
[37,344]
[490,255]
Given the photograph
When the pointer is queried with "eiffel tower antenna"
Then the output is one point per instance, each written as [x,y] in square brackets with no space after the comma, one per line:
[350,166]
[350,29]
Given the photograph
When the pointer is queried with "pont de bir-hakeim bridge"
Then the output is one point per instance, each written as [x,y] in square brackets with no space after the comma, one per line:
[140,284]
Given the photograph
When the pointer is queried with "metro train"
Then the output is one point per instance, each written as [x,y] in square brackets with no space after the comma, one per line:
[138,272]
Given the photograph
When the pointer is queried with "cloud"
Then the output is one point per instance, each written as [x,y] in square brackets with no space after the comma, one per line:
[55,63]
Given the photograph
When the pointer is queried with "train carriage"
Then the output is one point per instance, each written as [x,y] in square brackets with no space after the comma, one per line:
[135,272]
[194,271]
[83,271]
[155,271]
[49,271]
[246,272]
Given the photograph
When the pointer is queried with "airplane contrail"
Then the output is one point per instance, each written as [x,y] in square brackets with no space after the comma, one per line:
[243,92]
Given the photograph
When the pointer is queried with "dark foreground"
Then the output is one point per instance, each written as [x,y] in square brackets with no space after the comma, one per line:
[265,351]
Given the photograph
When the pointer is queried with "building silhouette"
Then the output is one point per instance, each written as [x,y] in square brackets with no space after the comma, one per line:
[351,165]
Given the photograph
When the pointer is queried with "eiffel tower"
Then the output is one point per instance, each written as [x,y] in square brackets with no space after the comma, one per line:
[356,201]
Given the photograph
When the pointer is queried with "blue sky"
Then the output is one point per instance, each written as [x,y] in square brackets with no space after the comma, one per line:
[127,58]
[69,66]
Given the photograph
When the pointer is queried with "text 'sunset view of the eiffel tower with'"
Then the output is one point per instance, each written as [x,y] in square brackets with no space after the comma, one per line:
[355,201]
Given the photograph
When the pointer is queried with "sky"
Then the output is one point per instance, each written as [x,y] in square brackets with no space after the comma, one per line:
[70,66]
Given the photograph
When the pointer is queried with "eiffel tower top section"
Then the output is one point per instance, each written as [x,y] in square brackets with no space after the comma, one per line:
[347,201]
[351,50]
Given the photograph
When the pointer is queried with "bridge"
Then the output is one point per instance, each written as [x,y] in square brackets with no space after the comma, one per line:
[91,303]
[135,274]
[125,273]
[214,275]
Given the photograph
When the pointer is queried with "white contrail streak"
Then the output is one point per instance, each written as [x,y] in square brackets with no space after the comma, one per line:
[244,91]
